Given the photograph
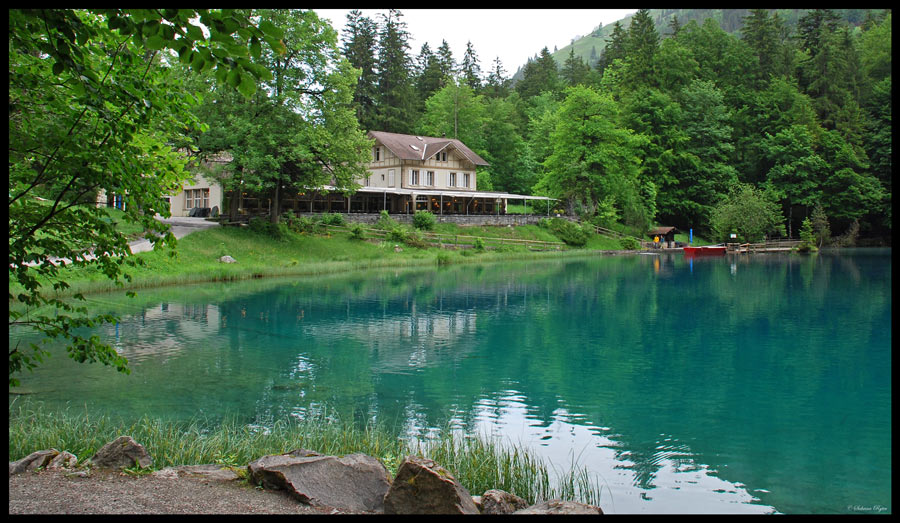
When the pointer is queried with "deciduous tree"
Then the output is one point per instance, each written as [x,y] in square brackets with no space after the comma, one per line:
[93,106]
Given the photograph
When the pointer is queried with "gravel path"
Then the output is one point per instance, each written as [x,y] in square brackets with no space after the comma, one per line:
[51,492]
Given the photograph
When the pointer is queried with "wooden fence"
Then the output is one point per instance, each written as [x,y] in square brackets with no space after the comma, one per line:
[615,234]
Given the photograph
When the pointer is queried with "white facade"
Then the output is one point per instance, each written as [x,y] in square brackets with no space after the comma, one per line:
[198,192]
[448,170]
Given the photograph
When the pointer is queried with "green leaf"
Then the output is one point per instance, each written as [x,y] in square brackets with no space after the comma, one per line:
[247,86]
[270,29]
[221,74]
[234,78]
[255,47]
[194,32]
[156,42]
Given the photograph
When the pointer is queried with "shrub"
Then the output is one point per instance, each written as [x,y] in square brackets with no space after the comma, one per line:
[333,219]
[629,244]
[290,220]
[479,245]
[424,220]
[544,223]
[807,237]
[278,231]
[385,222]
[357,232]
[570,233]
[307,225]
[443,258]
[414,239]
[397,234]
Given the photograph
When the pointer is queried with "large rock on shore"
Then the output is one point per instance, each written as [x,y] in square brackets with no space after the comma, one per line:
[556,506]
[424,487]
[355,482]
[122,453]
[33,461]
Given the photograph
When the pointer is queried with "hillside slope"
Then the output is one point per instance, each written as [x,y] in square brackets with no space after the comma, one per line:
[590,46]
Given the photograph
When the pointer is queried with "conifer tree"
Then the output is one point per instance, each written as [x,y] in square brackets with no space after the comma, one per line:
[497,84]
[615,47]
[539,75]
[447,63]
[470,69]
[395,90]
[359,43]
[574,70]
[429,77]
[641,47]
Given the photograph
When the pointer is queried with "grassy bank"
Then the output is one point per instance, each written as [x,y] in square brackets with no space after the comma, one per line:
[478,463]
[195,259]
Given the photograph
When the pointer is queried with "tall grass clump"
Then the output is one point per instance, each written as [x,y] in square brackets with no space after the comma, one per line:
[480,463]
[197,441]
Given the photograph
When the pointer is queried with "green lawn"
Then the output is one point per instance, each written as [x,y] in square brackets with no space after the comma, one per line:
[195,259]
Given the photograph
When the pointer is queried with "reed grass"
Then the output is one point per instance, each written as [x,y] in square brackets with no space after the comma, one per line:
[480,463]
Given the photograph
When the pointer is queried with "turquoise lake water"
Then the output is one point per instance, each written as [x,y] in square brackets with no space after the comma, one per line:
[737,384]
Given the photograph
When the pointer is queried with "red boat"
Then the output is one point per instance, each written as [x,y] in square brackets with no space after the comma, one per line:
[705,250]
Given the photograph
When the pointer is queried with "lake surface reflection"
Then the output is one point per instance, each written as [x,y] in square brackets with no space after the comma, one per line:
[738,384]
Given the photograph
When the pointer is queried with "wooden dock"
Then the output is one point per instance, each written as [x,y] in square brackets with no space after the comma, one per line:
[768,246]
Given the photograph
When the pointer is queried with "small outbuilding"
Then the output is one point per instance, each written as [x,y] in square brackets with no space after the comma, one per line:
[666,236]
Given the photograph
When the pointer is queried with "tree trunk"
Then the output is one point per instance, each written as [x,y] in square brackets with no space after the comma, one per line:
[276,204]
[790,219]
[236,198]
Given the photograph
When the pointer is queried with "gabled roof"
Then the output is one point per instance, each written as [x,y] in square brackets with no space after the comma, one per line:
[411,147]
[662,230]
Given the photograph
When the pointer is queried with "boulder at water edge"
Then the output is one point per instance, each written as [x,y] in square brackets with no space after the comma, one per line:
[63,460]
[501,502]
[33,461]
[424,487]
[556,506]
[356,482]
[122,453]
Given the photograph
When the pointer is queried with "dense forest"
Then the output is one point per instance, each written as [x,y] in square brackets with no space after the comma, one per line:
[780,126]
[789,116]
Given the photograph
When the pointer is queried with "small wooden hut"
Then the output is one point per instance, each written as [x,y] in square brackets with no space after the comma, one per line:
[666,236]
